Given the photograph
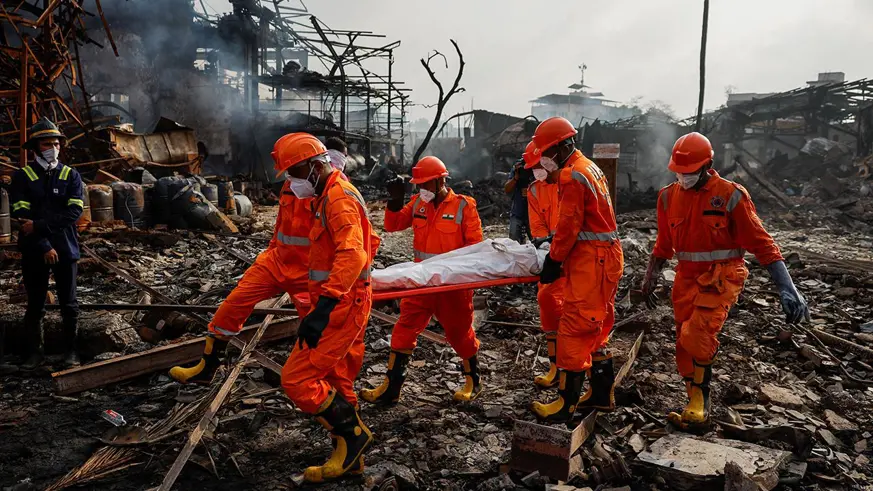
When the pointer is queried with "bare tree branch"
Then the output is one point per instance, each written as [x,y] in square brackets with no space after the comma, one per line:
[443,98]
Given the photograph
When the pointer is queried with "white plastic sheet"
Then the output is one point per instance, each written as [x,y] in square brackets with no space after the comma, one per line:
[488,260]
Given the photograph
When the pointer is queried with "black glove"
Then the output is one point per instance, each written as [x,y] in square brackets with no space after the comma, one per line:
[793,303]
[541,240]
[315,322]
[551,271]
[396,193]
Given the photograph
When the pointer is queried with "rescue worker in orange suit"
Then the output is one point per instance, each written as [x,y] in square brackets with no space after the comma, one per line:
[442,221]
[586,246]
[282,267]
[707,223]
[320,372]
[542,206]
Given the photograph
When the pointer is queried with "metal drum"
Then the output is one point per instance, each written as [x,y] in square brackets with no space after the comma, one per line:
[148,194]
[210,191]
[84,220]
[225,197]
[243,204]
[128,201]
[100,197]
[5,220]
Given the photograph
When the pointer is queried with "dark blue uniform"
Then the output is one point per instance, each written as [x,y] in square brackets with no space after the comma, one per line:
[53,199]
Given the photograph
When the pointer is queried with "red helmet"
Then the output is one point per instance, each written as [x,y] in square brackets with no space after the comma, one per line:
[428,169]
[551,132]
[531,155]
[295,148]
[690,153]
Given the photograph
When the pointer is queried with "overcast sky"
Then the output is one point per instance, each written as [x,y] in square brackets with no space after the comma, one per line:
[517,50]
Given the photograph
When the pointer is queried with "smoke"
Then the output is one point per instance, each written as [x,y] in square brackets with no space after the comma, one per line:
[157,44]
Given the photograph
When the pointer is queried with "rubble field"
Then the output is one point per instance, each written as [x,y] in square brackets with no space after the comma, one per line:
[790,394]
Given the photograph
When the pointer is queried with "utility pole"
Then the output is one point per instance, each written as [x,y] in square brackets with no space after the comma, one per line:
[702,64]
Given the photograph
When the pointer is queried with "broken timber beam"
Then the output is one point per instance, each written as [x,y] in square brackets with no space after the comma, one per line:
[125,367]
[212,410]
[550,450]
[761,180]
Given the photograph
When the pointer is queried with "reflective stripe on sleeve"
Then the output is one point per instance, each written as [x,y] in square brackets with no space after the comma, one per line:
[21,205]
[734,200]
[77,202]
[459,215]
[578,176]
[601,236]
[719,255]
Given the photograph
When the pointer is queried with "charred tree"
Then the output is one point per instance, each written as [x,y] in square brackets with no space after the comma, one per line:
[443,98]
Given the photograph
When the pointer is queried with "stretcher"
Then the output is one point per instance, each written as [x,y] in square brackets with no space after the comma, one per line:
[381,295]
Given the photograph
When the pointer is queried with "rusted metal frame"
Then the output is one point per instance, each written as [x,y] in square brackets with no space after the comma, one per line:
[48,12]
[22,108]
[84,92]
[196,434]
[550,450]
[106,27]
[126,367]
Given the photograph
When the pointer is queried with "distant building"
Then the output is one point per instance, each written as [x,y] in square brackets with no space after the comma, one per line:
[824,78]
[580,106]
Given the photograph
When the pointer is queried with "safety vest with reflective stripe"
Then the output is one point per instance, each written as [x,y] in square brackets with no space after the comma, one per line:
[290,244]
[452,224]
[326,239]
[598,187]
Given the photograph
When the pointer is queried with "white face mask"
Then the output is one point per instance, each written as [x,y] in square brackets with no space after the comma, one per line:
[549,164]
[51,155]
[337,159]
[540,174]
[426,196]
[302,188]
[687,181]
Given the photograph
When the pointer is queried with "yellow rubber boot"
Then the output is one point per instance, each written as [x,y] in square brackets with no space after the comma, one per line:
[204,370]
[472,382]
[550,379]
[695,417]
[561,409]
[389,392]
[601,388]
[350,438]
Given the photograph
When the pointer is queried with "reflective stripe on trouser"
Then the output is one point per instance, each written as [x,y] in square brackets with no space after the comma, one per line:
[592,270]
[709,256]
[309,374]
[421,256]
[454,310]
[700,305]
[321,275]
[260,282]
[550,299]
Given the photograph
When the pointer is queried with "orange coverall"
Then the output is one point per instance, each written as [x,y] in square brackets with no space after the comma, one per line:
[340,258]
[451,225]
[542,212]
[586,241]
[280,268]
[708,230]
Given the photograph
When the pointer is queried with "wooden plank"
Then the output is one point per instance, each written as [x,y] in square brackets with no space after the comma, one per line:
[551,450]
[765,183]
[129,366]
[212,410]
